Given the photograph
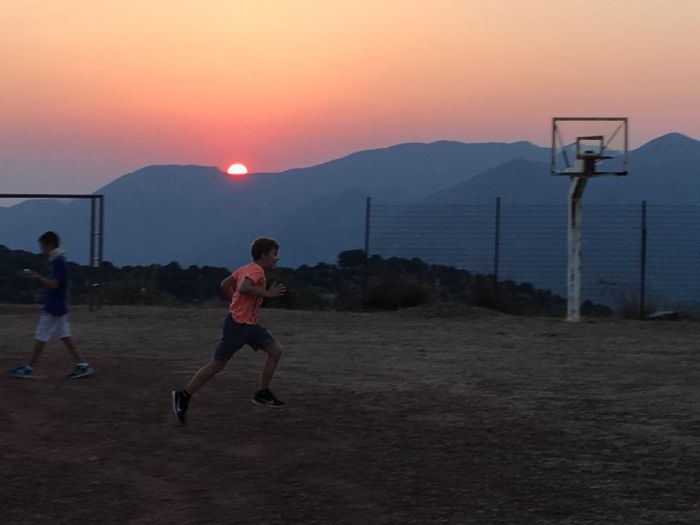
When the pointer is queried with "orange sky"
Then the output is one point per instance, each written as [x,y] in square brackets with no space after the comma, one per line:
[92,90]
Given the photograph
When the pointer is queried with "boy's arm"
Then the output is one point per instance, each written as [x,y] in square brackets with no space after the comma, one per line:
[227,285]
[49,282]
[246,287]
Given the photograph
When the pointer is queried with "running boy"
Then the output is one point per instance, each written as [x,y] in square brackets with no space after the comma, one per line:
[54,317]
[246,287]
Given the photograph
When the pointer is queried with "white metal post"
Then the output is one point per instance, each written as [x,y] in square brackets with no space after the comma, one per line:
[573,298]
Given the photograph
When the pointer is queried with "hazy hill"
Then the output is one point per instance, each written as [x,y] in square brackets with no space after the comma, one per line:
[517,181]
[321,228]
[199,215]
[663,171]
[672,147]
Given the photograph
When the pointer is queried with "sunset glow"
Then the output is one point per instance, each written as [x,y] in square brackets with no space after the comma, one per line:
[116,86]
[237,169]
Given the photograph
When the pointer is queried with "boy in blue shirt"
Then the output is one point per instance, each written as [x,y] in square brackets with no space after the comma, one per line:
[54,317]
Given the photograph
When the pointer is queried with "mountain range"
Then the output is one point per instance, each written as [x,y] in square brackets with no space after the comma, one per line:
[199,215]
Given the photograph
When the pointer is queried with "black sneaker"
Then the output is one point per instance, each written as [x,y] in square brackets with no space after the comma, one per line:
[180,403]
[264,398]
[81,370]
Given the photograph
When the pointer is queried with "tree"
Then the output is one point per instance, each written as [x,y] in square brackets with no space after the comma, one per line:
[351,258]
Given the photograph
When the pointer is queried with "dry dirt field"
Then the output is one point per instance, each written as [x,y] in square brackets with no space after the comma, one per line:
[418,416]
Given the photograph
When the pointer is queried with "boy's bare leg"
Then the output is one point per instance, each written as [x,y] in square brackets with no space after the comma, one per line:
[204,374]
[36,354]
[181,398]
[274,354]
[70,345]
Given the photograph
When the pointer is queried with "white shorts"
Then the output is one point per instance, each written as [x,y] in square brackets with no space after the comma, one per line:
[49,325]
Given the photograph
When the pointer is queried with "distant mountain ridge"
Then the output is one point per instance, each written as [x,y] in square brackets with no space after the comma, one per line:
[666,170]
[672,147]
[199,215]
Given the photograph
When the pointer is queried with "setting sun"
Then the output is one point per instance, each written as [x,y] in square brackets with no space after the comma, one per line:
[237,169]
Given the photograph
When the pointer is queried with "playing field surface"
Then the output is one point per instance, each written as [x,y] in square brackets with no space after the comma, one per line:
[422,416]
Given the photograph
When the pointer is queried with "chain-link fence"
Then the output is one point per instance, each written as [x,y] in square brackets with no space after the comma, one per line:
[633,256]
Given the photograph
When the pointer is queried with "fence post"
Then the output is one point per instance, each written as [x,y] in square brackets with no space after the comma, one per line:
[643,262]
[100,248]
[496,247]
[365,280]
[102,245]
[368,207]
[91,263]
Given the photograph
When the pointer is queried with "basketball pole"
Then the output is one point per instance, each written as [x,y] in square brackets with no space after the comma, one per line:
[578,184]
[573,298]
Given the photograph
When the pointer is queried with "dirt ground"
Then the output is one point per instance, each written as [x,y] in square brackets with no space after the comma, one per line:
[421,416]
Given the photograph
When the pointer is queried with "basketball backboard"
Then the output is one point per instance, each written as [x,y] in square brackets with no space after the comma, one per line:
[589,146]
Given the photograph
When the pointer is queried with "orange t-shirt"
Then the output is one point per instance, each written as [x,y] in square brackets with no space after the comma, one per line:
[244,308]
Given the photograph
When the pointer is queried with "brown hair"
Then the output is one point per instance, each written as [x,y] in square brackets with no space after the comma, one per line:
[261,246]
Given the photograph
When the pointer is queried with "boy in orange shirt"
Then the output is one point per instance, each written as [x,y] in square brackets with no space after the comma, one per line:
[246,287]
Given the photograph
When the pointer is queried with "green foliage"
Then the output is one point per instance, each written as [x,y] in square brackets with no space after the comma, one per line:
[351,258]
[353,284]
[392,294]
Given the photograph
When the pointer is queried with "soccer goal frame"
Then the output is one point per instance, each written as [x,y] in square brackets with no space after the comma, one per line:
[97,207]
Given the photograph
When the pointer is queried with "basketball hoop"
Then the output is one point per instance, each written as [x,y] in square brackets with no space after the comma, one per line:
[585,147]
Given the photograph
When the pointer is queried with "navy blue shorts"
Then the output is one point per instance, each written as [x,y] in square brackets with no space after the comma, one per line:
[235,335]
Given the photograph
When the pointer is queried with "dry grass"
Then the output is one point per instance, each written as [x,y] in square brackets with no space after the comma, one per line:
[418,416]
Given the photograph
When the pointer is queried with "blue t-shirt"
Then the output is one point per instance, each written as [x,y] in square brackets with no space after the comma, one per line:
[56,298]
